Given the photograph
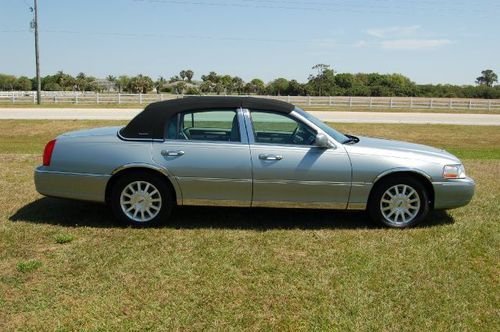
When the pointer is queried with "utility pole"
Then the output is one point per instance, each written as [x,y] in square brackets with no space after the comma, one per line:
[37,59]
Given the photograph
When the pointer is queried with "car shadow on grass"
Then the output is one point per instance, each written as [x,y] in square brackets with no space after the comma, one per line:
[83,214]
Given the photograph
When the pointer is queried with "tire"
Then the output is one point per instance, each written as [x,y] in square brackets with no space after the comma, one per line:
[408,205]
[141,199]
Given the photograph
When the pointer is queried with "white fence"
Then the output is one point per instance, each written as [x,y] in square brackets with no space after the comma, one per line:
[60,97]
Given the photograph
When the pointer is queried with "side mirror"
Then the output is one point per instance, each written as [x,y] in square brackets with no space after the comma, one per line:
[322,141]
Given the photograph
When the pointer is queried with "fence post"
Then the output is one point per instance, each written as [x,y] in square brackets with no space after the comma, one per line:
[371,102]
[350,102]
[489,105]
[470,104]
[451,103]
[55,99]
[411,102]
[76,98]
[391,102]
[140,98]
[13,97]
[119,98]
[330,101]
[309,101]
[430,103]
[34,98]
[97,97]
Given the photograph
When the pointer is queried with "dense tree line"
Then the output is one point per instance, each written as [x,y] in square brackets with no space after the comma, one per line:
[323,82]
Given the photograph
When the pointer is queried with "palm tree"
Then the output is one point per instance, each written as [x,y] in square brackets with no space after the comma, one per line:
[182,74]
[189,75]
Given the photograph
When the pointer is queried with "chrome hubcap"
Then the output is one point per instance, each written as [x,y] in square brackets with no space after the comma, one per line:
[140,201]
[400,204]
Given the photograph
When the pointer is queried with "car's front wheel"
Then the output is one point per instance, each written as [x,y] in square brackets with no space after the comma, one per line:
[141,199]
[399,202]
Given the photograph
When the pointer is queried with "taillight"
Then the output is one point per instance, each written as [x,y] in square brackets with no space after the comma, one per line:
[47,152]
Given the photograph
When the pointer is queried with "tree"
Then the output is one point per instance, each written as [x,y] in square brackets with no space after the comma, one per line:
[324,81]
[189,75]
[160,82]
[278,86]
[237,84]
[7,82]
[65,81]
[488,77]
[23,84]
[255,86]
[140,84]
[182,74]
[180,87]
[122,83]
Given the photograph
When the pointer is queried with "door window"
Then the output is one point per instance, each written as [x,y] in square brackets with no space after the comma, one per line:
[213,125]
[275,128]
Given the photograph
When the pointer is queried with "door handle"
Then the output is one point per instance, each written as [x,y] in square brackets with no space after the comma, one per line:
[270,157]
[177,153]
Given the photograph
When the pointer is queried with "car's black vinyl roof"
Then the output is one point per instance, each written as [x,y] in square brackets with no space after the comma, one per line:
[150,123]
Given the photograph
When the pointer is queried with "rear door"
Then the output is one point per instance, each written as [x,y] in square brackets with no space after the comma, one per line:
[207,152]
[289,170]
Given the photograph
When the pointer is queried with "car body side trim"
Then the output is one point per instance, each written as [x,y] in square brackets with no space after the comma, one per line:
[72,173]
[300,205]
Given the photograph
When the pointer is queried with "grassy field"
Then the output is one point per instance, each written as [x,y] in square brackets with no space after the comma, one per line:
[67,266]
[305,107]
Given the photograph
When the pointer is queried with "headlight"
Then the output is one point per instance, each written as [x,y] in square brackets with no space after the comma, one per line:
[454,172]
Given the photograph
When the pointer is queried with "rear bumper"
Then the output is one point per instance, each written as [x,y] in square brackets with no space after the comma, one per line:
[81,186]
[453,193]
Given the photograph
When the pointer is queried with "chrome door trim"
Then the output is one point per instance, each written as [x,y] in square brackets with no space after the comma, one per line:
[216,202]
[356,206]
[300,205]
[308,183]
[248,125]
[213,179]
[243,127]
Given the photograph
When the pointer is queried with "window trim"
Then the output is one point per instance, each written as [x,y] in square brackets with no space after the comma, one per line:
[250,130]
[177,118]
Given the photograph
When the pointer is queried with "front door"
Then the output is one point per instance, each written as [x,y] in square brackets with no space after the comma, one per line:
[208,154]
[290,171]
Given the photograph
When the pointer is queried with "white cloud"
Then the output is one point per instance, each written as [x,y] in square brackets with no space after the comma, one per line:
[392,32]
[413,44]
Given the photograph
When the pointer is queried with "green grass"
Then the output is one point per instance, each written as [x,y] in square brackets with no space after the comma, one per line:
[63,238]
[305,107]
[234,269]
[29,266]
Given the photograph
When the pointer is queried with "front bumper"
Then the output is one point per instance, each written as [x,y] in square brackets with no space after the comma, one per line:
[81,186]
[453,193]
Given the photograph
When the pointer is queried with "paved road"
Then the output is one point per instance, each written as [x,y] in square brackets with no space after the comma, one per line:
[354,117]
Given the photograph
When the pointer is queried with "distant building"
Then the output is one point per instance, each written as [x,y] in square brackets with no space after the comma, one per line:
[106,85]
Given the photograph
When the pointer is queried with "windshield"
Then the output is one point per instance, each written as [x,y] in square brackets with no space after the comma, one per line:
[339,137]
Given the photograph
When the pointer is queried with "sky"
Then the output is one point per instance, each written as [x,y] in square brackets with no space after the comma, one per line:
[430,41]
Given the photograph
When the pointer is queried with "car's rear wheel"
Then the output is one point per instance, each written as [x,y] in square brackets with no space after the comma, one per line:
[399,202]
[141,199]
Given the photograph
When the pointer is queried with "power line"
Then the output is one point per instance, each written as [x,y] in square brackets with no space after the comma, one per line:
[385,6]
[186,36]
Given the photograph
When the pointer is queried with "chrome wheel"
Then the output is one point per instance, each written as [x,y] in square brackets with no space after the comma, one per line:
[140,201]
[400,204]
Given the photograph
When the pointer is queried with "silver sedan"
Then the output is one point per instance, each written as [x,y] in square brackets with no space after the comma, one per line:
[248,152]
